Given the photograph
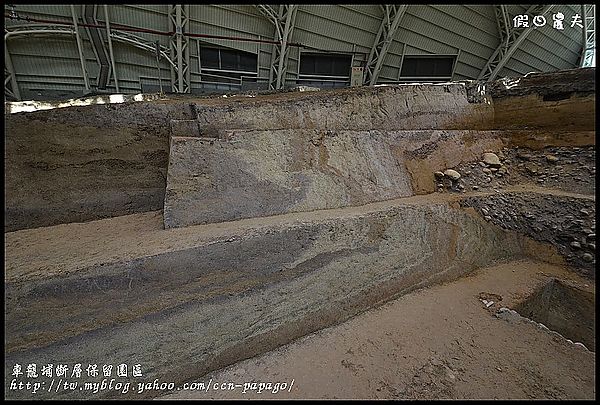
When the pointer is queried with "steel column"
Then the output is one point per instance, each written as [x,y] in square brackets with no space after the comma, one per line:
[80,49]
[110,49]
[10,76]
[284,22]
[389,25]
[180,74]
[510,40]
[588,49]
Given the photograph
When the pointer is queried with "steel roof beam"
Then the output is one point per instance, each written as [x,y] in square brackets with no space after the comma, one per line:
[180,53]
[80,49]
[588,49]
[510,40]
[89,17]
[389,25]
[284,21]
[110,49]
[127,38]
[10,77]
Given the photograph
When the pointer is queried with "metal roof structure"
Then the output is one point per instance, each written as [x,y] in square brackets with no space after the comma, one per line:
[54,51]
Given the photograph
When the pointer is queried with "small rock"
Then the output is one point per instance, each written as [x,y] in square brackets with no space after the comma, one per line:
[524,156]
[486,170]
[551,158]
[487,218]
[461,187]
[438,175]
[591,246]
[475,187]
[452,174]
[575,245]
[531,169]
[491,159]
[584,211]
[587,257]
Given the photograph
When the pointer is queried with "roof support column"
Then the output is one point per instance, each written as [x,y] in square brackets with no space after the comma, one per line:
[284,22]
[510,40]
[389,25]
[80,49]
[10,76]
[110,49]
[180,74]
[588,51]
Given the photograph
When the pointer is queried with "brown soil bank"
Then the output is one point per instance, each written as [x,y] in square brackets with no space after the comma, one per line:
[83,163]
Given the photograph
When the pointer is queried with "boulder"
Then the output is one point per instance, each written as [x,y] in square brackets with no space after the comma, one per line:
[491,159]
[452,174]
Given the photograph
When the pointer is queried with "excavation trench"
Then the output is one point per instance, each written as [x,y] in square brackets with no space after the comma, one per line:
[566,309]
[193,234]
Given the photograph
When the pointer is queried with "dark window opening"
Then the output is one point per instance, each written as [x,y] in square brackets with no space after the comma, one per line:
[227,59]
[325,65]
[427,67]
[324,70]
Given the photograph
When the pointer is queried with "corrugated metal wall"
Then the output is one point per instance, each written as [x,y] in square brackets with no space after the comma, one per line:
[469,31]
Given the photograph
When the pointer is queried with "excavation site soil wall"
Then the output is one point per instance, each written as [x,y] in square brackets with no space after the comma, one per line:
[84,163]
[78,164]
[187,234]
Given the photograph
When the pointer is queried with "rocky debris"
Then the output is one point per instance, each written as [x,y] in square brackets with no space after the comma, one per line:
[305,88]
[580,81]
[553,219]
[450,180]
[565,168]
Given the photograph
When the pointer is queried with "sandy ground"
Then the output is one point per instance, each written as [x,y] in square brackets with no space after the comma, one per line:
[439,342]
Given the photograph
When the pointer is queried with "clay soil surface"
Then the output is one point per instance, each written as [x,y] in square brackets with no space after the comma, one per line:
[440,342]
